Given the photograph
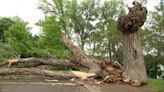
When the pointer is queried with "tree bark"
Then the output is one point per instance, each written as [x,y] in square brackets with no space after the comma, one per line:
[111,71]
[34,62]
[80,58]
[135,72]
[36,71]
[133,59]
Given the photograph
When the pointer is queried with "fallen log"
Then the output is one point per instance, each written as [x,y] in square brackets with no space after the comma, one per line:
[54,74]
[37,61]
[35,71]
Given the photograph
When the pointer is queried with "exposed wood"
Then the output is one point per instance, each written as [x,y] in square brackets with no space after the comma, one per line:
[3,64]
[80,58]
[36,71]
[112,72]
[38,61]
[129,25]
[96,67]
[54,74]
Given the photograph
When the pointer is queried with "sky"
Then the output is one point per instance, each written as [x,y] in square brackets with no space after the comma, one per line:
[150,5]
[27,10]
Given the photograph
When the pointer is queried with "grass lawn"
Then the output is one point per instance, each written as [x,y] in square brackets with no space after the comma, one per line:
[156,84]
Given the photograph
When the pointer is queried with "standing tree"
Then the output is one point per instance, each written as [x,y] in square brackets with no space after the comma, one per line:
[129,25]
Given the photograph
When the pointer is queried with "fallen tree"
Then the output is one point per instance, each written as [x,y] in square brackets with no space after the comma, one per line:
[109,71]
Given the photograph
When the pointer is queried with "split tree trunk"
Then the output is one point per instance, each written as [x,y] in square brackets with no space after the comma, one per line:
[134,66]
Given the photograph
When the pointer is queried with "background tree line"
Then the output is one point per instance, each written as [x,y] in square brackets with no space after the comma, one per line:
[91,24]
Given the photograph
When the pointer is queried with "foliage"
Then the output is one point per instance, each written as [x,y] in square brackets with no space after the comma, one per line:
[158,35]
[50,38]
[152,39]
[56,8]
[106,37]
[5,23]
[90,24]
[18,38]
[63,68]
[153,66]
[16,41]
[6,52]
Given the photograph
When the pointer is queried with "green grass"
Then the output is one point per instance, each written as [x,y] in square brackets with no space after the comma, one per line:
[62,68]
[156,84]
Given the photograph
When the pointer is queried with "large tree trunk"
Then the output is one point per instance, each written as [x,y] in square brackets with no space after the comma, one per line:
[135,71]
[133,58]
